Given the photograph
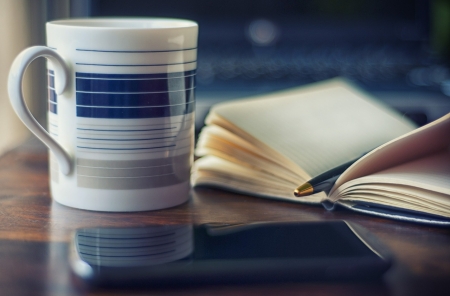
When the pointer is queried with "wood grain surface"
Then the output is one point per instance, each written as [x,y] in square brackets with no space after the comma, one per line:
[35,232]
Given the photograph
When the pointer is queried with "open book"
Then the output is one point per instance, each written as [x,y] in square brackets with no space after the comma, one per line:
[266,146]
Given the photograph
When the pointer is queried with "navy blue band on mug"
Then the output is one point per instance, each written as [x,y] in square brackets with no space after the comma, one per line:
[135,100]
[51,81]
[53,108]
[136,85]
[52,95]
[126,113]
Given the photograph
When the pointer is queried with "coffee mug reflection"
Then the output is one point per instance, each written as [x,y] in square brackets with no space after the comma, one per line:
[127,247]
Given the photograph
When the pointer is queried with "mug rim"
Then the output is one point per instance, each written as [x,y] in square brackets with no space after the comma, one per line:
[125,23]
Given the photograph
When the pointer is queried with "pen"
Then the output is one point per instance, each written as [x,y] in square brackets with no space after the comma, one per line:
[324,181]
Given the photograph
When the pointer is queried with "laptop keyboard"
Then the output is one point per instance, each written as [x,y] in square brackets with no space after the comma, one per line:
[369,64]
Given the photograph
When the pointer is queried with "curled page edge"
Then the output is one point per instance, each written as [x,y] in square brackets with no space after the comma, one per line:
[428,139]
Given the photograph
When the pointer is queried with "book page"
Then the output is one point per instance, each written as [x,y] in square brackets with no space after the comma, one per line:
[217,141]
[422,185]
[424,141]
[403,193]
[317,127]
[218,172]
[430,173]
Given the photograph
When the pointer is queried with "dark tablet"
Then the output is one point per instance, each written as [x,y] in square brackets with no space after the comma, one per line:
[223,253]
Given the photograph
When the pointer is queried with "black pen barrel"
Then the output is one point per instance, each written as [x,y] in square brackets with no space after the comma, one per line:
[335,172]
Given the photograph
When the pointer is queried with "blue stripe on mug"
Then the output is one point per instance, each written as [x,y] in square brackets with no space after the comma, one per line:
[53,107]
[135,65]
[135,100]
[51,72]
[51,81]
[135,76]
[125,113]
[52,95]
[135,51]
[142,85]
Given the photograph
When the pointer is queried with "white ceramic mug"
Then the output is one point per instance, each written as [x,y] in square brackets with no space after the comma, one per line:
[121,111]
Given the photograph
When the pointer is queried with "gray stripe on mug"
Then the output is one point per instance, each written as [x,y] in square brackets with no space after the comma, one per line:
[133,174]
[132,183]
[182,159]
[136,172]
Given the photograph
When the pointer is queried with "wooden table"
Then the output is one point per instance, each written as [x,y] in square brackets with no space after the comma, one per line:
[35,231]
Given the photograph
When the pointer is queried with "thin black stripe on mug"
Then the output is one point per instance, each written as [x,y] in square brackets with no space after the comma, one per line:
[134,76]
[131,76]
[134,65]
[135,51]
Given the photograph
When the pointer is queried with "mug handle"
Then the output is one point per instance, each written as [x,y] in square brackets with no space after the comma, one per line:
[18,103]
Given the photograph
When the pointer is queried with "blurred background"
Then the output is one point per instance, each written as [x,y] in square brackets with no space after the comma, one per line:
[397,50]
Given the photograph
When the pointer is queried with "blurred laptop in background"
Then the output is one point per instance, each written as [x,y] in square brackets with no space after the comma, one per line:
[397,50]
